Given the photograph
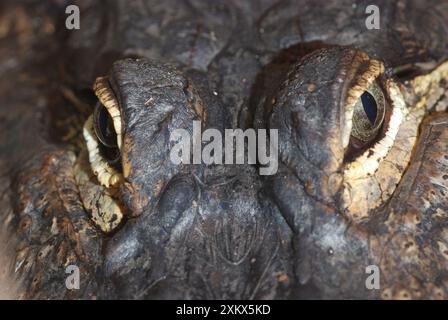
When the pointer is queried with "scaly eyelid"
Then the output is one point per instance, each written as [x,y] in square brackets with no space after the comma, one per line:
[107,98]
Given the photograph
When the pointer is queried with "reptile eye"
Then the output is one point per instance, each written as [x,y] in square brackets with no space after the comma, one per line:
[103,125]
[105,132]
[368,115]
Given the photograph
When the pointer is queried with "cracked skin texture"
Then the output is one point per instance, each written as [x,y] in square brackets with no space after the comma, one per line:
[202,232]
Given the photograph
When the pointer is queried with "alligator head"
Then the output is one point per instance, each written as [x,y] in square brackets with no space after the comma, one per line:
[361,182]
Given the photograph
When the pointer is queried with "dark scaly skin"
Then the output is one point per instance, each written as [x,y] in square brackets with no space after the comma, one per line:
[220,231]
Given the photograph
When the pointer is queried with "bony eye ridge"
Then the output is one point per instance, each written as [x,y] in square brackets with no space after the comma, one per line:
[368,114]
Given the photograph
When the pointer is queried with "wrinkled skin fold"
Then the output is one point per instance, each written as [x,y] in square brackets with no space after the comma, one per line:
[165,231]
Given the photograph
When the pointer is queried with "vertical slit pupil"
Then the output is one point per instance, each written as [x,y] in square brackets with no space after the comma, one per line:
[105,132]
[370,107]
[104,128]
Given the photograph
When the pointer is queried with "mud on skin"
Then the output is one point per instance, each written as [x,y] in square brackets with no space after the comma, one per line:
[86,177]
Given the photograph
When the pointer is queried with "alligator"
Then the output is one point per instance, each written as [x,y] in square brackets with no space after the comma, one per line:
[361,114]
